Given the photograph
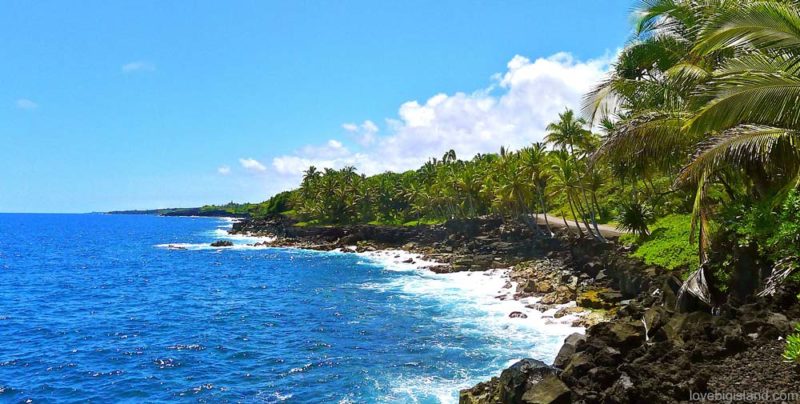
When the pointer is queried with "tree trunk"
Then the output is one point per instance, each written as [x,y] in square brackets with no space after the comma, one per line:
[544,212]
[572,208]
[582,212]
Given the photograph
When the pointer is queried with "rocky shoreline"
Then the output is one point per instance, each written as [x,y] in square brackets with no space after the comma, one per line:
[640,345]
[544,268]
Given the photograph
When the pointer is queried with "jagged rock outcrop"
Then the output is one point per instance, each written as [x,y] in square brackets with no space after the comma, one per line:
[653,352]
[527,381]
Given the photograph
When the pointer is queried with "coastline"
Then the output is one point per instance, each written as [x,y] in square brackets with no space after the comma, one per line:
[543,273]
[508,313]
[639,344]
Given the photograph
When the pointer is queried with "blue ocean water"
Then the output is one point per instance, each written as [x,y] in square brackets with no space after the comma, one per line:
[95,307]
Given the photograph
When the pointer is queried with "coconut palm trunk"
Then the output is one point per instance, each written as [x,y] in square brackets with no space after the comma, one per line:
[544,212]
[572,209]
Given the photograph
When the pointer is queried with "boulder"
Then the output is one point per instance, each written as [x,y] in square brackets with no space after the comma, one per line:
[441,269]
[543,286]
[462,264]
[568,349]
[608,356]
[222,243]
[520,383]
[626,334]
[483,261]
[561,295]
[654,318]
[621,391]
[592,268]
[579,364]
[565,311]
[780,322]
[681,323]
[672,329]
[610,296]
[767,326]
[540,307]
[591,299]
[588,319]
[529,286]
[550,390]
[517,314]
[520,377]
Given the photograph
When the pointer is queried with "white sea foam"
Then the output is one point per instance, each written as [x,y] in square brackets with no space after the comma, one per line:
[240,242]
[222,233]
[207,246]
[479,302]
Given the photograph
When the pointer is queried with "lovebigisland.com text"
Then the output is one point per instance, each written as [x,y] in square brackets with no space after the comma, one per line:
[765,395]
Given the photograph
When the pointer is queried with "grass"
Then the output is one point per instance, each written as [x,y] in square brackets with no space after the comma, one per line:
[308,223]
[668,245]
[410,223]
[423,221]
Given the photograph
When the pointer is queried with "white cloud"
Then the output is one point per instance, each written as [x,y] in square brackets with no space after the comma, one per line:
[24,103]
[138,66]
[224,170]
[329,155]
[365,134]
[331,149]
[512,111]
[252,165]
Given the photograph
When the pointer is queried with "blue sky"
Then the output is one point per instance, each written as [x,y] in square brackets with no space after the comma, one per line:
[145,104]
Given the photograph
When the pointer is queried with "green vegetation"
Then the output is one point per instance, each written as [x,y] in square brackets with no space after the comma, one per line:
[635,217]
[792,351]
[529,185]
[668,244]
[706,94]
[278,203]
[518,185]
[775,231]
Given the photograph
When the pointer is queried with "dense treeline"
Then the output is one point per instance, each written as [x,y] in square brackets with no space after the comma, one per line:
[558,176]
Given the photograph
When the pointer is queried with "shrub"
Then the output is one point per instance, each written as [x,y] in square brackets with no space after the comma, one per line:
[792,351]
[635,218]
[775,230]
[668,245]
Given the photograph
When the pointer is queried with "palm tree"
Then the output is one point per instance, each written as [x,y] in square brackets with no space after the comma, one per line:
[534,160]
[566,181]
[568,133]
[709,88]
[449,157]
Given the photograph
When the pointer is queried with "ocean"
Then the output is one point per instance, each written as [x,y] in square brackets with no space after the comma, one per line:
[99,308]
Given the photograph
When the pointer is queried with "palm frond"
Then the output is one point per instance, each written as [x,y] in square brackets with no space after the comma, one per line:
[757,98]
[762,24]
[747,144]
[655,137]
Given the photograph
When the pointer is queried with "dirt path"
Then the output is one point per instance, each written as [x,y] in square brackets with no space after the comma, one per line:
[558,223]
